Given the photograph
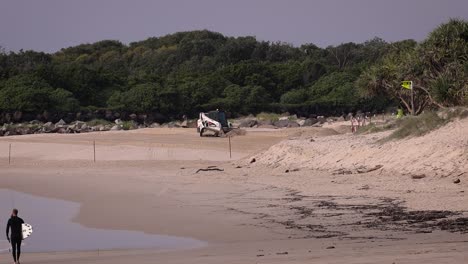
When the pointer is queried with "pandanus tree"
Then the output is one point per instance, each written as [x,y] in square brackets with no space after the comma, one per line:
[438,68]
[444,57]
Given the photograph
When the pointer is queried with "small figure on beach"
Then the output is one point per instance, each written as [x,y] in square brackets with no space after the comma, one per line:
[15,224]
[354,124]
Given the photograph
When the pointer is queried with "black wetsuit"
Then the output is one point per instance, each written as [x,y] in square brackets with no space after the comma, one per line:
[15,224]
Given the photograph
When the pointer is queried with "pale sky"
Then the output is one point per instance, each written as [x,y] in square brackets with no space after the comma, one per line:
[49,25]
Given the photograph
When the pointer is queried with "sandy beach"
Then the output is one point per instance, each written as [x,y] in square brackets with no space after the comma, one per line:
[305,195]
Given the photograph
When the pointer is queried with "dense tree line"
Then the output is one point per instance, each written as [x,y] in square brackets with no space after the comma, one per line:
[188,72]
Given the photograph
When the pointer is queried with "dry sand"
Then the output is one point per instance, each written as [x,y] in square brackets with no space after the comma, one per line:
[300,202]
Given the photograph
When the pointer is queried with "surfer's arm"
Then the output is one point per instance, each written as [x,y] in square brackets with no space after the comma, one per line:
[7,230]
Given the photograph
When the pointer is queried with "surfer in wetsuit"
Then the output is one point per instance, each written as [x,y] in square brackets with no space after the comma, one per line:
[15,224]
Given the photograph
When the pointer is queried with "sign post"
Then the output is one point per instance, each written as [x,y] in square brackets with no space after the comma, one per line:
[409,85]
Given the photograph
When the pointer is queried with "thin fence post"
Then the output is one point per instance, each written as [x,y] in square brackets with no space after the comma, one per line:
[94,150]
[230,152]
[9,154]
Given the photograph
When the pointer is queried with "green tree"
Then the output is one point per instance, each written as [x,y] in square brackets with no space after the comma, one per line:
[32,94]
[139,98]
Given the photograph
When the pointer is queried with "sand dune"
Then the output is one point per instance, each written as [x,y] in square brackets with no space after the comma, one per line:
[441,153]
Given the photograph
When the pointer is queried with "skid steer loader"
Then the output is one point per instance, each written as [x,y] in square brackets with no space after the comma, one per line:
[214,121]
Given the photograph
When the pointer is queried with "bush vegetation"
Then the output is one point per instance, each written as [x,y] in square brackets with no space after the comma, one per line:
[187,72]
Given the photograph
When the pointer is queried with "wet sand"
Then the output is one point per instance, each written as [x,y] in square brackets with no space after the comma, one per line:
[247,213]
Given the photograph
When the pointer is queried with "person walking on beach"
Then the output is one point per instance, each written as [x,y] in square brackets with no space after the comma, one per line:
[15,224]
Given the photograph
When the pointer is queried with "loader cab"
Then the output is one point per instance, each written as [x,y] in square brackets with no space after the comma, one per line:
[218,116]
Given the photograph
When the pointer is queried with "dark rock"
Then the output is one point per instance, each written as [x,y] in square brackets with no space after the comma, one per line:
[61,130]
[310,121]
[84,128]
[418,176]
[192,123]
[265,123]
[174,124]
[133,117]
[116,128]
[142,118]
[281,123]
[293,124]
[60,123]
[321,119]
[248,123]
[456,181]
[330,247]
[35,122]
[253,160]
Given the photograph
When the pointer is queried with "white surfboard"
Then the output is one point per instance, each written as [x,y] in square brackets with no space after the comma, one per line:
[27,230]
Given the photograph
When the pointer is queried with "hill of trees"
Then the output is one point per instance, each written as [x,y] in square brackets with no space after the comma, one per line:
[187,72]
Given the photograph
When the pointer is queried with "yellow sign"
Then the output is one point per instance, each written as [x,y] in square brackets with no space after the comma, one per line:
[407,85]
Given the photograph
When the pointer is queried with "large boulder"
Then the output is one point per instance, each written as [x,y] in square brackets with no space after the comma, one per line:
[118,122]
[173,124]
[47,127]
[116,128]
[301,122]
[62,130]
[35,122]
[133,117]
[321,119]
[262,123]
[285,123]
[281,123]
[83,128]
[192,123]
[80,124]
[293,124]
[142,118]
[248,123]
[60,123]
[267,126]
[310,121]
